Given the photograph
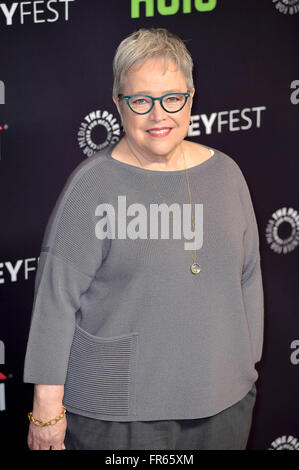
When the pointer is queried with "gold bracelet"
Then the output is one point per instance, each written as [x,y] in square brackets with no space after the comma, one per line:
[38,422]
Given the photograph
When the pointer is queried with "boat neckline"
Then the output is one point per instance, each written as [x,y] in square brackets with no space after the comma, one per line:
[136,168]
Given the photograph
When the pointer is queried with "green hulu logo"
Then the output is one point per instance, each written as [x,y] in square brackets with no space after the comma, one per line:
[172,8]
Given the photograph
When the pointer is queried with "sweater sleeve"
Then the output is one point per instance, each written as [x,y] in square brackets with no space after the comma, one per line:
[252,287]
[70,256]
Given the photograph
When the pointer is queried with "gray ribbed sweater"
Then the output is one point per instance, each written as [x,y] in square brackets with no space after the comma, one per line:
[123,322]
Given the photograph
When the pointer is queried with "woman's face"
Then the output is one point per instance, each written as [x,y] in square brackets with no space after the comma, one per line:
[154,79]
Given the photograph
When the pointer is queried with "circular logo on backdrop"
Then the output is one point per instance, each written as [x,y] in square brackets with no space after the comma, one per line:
[282,232]
[287,6]
[285,443]
[99,129]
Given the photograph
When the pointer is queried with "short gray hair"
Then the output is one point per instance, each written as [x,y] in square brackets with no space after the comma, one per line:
[147,43]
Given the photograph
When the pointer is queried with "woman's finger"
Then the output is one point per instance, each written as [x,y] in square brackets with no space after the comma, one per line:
[57,447]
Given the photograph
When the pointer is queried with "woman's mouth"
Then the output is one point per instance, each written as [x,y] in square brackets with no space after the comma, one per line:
[159,132]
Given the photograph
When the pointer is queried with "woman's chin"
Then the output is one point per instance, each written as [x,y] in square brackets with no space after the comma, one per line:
[161,146]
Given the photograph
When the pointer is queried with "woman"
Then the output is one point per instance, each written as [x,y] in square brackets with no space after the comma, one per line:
[148,337]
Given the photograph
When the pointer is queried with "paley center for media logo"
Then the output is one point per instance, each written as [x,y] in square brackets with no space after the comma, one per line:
[42,11]
[285,443]
[232,120]
[98,121]
[285,221]
[15,271]
[287,7]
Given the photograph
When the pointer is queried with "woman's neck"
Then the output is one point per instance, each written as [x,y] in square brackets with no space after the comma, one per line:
[128,153]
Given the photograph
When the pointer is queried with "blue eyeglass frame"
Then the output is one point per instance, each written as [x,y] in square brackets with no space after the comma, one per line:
[127,97]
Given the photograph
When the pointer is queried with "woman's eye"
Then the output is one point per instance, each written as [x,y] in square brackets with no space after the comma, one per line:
[140,101]
[172,99]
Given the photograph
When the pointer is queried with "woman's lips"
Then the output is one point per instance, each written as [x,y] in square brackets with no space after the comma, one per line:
[162,132]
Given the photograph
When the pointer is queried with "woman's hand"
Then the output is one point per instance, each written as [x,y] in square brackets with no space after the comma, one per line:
[47,405]
[47,437]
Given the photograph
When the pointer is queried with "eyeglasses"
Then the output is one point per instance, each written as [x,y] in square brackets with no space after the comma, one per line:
[143,104]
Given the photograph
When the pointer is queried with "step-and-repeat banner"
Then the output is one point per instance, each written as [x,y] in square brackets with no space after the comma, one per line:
[56,110]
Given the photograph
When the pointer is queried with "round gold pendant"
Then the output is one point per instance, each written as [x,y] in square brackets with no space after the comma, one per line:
[195,268]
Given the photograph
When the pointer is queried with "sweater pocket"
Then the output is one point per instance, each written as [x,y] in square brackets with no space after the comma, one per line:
[101,374]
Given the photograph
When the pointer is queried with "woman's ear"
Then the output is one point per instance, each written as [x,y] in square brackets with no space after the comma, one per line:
[191,96]
[116,102]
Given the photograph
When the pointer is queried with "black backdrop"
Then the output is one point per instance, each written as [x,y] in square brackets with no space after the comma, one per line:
[56,110]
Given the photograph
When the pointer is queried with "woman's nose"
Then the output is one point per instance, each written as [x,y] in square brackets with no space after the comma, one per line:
[157,111]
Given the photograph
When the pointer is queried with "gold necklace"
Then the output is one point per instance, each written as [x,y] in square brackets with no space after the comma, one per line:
[195,267]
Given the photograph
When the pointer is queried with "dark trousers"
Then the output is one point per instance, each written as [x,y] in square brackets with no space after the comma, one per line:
[227,430]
